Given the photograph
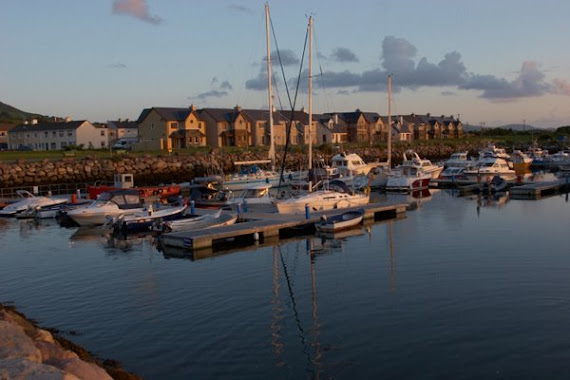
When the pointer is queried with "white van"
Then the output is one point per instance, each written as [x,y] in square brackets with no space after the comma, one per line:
[125,144]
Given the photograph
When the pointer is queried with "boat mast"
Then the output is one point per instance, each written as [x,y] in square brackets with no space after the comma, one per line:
[389,121]
[271,142]
[310,92]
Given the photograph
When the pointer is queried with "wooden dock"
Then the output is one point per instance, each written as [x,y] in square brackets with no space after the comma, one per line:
[538,189]
[258,226]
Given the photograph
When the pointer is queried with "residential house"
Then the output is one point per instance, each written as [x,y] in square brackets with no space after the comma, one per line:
[361,126]
[122,129]
[4,128]
[167,128]
[57,135]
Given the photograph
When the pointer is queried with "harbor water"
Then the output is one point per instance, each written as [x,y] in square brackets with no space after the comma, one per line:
[461,287]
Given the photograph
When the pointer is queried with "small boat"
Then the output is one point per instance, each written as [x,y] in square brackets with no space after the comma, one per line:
[255,197]
[28,202]
[489,166]
[126,181]
[350,167]
[196,222]
[250,173]
[146,219]
[496,184]
[49,212]
[458,160]
[108,204]
[340,222]
[521,162]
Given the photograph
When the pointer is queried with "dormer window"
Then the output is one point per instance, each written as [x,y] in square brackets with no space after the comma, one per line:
[173,125]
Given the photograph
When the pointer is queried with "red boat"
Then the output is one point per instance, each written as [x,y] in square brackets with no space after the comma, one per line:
[125,181]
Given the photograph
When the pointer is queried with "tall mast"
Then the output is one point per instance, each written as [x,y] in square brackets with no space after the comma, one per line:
[389,121]
[310,91]
[271,142]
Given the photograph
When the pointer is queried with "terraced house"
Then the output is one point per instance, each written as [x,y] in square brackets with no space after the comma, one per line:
[57,135]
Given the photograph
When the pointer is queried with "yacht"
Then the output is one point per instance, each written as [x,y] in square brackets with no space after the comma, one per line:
[412,159]
[109,204]
[408,177]
[255,197]
[458,160]
[338,195]
[489,166]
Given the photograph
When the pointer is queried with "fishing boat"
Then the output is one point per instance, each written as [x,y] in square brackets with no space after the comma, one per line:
[126,181]
[145,219]
[109,204]
[195,222]
[521,162]
[341,221]
[28,201]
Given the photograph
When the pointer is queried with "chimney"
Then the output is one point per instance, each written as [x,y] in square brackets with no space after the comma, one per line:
[429,115]
[118,120]
[402,120]
[237,108]
[192,107]
[336,118]
[55,119]
[67,119]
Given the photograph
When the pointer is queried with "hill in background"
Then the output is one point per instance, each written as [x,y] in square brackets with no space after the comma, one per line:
[514,127]
[12,115]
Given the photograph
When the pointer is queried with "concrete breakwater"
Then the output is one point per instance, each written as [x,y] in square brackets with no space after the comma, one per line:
[151,170]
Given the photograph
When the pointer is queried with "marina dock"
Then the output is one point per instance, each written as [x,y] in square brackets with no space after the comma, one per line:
[538,189]
[258,226]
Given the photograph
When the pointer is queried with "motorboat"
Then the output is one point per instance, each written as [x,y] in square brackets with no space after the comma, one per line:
[489,166]
[126,181]
[341,221]
[521,162]
[256,197]
[351,165]
[453,173]
[408,177]
[208,196]
[337,195]
[411,158]
[493,151]
[52,211]
[145,219]
[195,222]
[109,204]
[28,201]
[250,174]
[458,160]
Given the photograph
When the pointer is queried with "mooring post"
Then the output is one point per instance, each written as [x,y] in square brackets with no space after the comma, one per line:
[192,207]
[307,211]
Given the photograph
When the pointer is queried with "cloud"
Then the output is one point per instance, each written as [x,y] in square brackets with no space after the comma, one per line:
[285,57]
[117,65]
[239,8]
[561,87]
[211,94]
[530,82]
[216,91]
[341,54]
[135,8]
[399,58]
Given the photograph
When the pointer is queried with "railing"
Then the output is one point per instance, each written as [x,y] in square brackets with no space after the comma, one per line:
[53,189]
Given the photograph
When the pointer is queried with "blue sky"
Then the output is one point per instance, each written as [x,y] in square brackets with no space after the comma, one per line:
[491,62]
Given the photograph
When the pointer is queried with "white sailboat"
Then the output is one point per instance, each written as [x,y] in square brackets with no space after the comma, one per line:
[333,197]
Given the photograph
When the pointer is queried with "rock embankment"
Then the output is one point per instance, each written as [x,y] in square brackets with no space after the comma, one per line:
[27,351]
[149,170]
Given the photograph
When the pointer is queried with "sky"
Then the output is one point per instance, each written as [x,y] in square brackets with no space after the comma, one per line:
[487,62]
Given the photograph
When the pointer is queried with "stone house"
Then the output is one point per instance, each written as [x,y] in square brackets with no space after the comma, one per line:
[167,128]
[57,135]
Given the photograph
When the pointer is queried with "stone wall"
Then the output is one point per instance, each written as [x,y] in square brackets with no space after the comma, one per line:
[152,170]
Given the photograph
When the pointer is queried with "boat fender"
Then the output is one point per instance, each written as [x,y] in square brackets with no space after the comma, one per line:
[488,179]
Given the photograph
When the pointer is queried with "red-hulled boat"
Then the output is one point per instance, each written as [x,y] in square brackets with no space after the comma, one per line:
[125,181]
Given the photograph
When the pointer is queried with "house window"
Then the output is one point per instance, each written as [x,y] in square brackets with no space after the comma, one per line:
[69,133]
[46,134]
[60,133]
[102,144]
[53,145]
[102,132]
[54,134]
[63,144]
[174,125]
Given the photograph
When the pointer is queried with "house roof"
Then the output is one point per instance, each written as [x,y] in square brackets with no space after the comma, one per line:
[167,113]
[6,126]
[124,124]
[181,133]
[48,126]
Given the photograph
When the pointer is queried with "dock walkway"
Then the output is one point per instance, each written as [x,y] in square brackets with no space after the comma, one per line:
[258,226]
[538,189]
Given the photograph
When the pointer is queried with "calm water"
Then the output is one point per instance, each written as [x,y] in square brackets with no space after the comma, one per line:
[453,290]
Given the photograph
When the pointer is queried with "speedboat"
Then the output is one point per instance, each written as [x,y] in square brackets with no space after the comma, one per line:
[408,177]
[144,220]
[191,222]
[350,166]
[29,201]
[109,204]
[338,195]
[340,222]
[411,158]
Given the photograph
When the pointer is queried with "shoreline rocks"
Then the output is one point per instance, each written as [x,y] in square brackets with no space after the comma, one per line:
[28,351]
[152,170]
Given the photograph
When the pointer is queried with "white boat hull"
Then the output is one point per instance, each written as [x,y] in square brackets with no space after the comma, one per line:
[320,201]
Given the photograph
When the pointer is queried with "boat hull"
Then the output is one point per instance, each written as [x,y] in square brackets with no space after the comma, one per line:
[321,202]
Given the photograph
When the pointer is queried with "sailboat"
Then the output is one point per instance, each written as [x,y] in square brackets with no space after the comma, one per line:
[338,196]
